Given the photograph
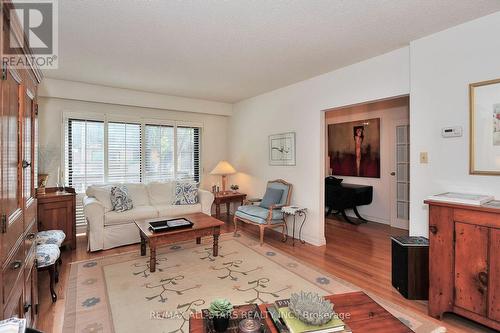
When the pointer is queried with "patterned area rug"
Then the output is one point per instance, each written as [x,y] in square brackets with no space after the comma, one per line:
[119,294]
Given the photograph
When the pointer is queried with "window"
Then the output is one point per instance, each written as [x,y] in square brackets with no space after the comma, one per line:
[101,151]
[84,158]
[84,153]
[159,153]
[188,153]
[124,152]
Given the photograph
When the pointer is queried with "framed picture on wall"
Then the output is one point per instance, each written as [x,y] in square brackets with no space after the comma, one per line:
[282,149]
[485,127]
[354,148]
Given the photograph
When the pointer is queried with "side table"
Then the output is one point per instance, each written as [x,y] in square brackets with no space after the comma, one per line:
[226,198]
[57,211]
[296,211]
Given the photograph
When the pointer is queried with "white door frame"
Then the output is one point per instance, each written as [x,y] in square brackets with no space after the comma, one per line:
[395,221]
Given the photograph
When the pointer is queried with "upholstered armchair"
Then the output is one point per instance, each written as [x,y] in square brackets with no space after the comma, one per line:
[266,212]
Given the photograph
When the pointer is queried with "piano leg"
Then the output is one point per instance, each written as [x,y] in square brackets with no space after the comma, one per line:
[359,216]
[328,212]
[344,215]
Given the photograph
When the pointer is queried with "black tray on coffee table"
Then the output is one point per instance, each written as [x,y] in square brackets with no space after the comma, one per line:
[170,224]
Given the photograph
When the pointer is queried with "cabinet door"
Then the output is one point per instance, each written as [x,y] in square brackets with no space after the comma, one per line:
[12,214]
[494,276]
[53,215]
[440,260]
[28,150]
[28,158]
[31,297]
[471,267]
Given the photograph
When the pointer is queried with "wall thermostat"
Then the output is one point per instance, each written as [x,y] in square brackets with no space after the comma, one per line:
[452,132]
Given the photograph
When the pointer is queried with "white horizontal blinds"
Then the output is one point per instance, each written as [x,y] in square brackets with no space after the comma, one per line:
[124,152]
[188,153]
[84,158]
[159,153]
[84,153]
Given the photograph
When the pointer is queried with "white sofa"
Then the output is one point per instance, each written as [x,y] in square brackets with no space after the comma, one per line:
[107,229]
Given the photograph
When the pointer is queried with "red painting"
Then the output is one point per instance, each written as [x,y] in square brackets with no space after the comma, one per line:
[354,148]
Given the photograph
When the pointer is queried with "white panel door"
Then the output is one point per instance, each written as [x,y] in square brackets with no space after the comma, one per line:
[400,198]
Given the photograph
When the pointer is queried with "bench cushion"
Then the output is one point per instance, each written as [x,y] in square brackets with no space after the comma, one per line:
[50,237]
[46,255]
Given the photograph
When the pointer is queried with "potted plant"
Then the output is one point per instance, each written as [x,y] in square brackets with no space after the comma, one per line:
[220,310]
[235,188]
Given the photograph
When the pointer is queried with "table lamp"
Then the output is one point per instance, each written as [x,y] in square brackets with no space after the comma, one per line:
[223,168]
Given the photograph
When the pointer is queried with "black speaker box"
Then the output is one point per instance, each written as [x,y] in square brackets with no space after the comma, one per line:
[410,266]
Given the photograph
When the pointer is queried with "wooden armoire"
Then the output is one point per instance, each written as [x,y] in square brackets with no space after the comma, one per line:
[464,261]
[18,142]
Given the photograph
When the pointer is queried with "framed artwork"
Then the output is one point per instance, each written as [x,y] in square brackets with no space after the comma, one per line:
[282,149]
[484,98]
[354,148]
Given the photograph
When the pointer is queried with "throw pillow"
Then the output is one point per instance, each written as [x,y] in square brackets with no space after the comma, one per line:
[120,199]
[271,197]
[186,193]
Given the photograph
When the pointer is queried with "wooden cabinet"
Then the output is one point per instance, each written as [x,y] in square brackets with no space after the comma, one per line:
[57,211]
[18,207]
[464,262]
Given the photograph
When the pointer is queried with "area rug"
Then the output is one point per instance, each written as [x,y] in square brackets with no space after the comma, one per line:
[119,294]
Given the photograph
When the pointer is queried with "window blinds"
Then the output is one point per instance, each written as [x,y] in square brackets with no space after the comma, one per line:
[159,153]
[84,146]
[188,153]
[124,152]
[84,158]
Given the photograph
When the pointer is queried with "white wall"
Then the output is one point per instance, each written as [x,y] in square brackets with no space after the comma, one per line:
[389,113]
[214,133]
[442,67]
[299,108]
[96,93]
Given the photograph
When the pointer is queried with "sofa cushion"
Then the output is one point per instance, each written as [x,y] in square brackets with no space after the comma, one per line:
[161,193]
[120,199]
[139,194]
[103,194]
[258,214]
[177,210]
[129,216]
[186,193]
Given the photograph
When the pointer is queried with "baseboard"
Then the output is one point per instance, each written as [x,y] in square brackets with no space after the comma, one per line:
[370,218]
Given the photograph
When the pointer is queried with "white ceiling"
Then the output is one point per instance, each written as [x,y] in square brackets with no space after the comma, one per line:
[231,50]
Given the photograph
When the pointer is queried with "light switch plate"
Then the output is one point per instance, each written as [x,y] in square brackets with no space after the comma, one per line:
[424,157]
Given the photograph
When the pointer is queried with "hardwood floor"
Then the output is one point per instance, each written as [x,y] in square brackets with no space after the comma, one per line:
[359,254]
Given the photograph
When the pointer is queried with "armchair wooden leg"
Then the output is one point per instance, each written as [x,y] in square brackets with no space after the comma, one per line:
[262,229]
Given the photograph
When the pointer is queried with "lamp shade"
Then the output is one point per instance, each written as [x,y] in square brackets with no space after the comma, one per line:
[223,168]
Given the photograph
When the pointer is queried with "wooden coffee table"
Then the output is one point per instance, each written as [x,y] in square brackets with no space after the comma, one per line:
[359,311]
[203,225]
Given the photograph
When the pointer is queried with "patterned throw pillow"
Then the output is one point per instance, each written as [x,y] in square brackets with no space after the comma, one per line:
[186,193]
[120,199]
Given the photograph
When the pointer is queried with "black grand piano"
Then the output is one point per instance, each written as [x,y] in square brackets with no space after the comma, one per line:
[341,196]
